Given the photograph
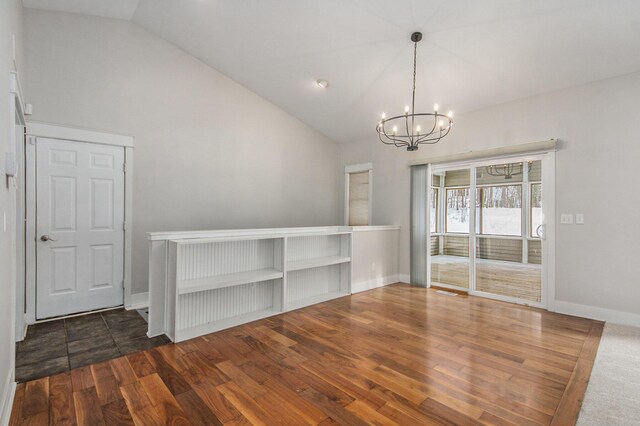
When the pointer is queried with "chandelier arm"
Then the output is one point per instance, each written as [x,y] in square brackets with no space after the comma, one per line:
[431,141]
[394,141]
[424,137]
[437,138]
[406,124]
[391,138]
[435,122]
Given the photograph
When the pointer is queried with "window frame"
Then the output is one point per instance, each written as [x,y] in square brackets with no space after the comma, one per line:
[357,168]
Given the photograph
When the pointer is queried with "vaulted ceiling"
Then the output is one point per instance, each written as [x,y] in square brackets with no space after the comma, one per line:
[475,53]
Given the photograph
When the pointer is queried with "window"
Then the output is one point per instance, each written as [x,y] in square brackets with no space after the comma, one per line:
[357,193]
[457,213]
[536,209]
[359,199]
[434,210]
[499,210]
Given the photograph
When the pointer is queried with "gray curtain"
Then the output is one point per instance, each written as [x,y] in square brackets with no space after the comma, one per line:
[419,192]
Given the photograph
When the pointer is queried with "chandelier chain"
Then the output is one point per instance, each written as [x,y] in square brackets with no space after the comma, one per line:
[413,99]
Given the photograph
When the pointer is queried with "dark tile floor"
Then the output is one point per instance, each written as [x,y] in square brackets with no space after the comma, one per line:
[57,346]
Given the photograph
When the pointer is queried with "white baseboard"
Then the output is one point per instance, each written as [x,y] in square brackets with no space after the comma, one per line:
[374,283]
[601,314]
[138,301]
[404,278]
[6,404]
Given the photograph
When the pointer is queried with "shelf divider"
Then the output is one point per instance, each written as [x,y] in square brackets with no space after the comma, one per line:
[227,280]
[297,265]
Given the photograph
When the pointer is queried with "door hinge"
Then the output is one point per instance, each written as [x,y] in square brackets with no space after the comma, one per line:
[124,226]
[122,284]
[124,167]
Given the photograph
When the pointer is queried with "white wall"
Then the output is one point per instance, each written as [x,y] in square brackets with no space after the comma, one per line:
[10,24]
[598,126]
[209,153]
[374,259]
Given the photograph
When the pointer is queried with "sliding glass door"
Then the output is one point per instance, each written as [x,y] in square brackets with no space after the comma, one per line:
[450,225]
[487,229]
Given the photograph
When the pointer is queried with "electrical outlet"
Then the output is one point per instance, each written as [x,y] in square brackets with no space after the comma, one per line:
[566,219]
[579,219]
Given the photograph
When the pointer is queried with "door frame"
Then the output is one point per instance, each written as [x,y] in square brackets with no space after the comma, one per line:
[51,131]
[548,158]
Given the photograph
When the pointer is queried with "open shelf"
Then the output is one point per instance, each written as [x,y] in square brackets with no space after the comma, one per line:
[227,280]
[297,265]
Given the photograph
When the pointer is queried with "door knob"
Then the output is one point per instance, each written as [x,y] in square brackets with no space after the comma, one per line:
[46,238]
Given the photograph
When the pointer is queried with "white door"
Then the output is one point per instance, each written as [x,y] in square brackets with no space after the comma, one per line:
[79,227]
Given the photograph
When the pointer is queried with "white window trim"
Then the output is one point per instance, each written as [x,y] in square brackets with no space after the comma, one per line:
[357,168]
[53,131]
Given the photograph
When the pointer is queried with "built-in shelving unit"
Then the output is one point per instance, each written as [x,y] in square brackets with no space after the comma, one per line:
[221,282]
[318,268]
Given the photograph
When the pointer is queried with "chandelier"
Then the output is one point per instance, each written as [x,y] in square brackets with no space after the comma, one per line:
[413,129]
[508,170]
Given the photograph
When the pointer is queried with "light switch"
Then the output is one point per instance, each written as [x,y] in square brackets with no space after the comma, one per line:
[566,219]
[579,219]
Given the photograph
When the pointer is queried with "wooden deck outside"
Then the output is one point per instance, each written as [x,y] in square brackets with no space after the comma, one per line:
[504,278]
[395,355]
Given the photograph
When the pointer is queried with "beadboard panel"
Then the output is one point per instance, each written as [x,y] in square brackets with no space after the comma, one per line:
[196,309]
[313,246]
[312,282]
[228,257]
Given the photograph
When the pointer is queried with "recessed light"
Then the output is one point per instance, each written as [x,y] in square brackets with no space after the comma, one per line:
[322,83]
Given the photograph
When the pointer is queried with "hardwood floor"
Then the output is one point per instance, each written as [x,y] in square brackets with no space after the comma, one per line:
[395,355]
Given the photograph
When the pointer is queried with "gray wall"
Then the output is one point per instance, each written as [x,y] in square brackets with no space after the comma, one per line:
[599,130]
[209,154]
[10,24]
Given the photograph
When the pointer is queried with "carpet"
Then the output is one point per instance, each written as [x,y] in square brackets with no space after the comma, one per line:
[613,393]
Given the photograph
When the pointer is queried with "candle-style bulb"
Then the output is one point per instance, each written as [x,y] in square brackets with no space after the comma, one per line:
[418,129]
[406,108]
[435,107]
[441,124]
[384,116]
[450,114]
[395,129]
